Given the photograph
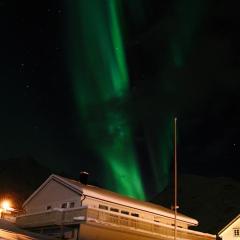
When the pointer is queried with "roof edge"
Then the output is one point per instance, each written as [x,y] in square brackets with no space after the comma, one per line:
[229,224]
[51,177]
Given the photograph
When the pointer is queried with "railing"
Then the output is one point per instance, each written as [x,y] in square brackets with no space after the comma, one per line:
[53,217]
[70,215]
[140,224]
[93,215]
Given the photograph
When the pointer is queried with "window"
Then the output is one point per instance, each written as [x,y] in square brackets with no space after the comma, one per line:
[103,207]
[64,205]
[124,212]
[71,205]
[49,207]
[135,214]
[236,232]
[114,210]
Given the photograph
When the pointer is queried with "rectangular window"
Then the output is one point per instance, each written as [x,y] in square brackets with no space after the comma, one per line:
[125,212]
[103,207]
[236,232]
[71,205]
[135,214]
[49,207]
[64,205]
[114,210]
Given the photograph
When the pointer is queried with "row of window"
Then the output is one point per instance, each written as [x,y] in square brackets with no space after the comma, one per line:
[104,207]
[68,205]
[64,205]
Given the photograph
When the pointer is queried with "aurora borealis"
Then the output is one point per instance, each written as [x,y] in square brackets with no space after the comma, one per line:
[94,85]
[100,83]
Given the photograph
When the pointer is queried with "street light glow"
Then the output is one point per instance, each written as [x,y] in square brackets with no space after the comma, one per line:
[6,205]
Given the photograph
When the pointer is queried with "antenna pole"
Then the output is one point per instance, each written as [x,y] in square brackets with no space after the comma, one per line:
[175,178]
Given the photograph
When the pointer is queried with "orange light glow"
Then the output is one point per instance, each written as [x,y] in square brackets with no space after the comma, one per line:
[5,205]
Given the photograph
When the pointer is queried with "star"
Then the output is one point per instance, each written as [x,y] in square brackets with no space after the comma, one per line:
[22,65]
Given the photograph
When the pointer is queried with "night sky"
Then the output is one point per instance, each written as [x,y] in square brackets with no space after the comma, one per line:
[182,58]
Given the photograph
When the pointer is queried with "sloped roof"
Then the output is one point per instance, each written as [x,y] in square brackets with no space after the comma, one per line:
[229,224]
[106,195]
[59,180]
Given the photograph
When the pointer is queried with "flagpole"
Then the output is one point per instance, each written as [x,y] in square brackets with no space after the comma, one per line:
[175,178]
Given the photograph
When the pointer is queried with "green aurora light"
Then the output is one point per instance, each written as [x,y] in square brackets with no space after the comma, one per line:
[184,24]
[101,87]
[100,84]
[188,16]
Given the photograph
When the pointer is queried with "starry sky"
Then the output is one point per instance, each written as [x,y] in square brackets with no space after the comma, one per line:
[183,59]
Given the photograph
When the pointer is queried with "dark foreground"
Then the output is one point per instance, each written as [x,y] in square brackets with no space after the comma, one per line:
[9,231]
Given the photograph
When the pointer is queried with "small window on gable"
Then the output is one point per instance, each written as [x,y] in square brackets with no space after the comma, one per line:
[114,210]
[49,207]
[104,207]
[72,204]
[64,205]
[135,214]
[236,232]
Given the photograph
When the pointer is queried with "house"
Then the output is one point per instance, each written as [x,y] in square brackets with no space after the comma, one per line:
[232,230]
[75,210]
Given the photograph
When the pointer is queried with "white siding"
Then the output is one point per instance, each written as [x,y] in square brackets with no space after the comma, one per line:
[228,234]
[53,194]
[92,202]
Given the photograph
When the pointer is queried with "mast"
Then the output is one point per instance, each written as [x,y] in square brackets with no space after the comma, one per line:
[175,179]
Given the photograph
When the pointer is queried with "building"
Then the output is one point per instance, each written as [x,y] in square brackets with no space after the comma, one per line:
[232,230]
[70,209]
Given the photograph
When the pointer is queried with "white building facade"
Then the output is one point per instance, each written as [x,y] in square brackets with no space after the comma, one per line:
[232,230]
[68,209]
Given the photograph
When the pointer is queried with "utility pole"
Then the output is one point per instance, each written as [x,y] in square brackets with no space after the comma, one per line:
[175,206]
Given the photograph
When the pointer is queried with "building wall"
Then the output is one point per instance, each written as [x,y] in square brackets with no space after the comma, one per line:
[228,234]
[95,231]
[91,232]
[97,203]
[53,195]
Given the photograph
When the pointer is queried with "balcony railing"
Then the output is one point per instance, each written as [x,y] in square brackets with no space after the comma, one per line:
[105,218]
[140,224]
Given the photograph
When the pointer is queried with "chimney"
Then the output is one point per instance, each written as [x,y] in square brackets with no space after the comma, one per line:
[83,177]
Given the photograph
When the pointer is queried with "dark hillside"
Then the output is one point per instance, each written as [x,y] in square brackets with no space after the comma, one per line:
[19,177]
[212,201]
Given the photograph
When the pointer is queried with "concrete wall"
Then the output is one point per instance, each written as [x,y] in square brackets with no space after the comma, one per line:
[95,231]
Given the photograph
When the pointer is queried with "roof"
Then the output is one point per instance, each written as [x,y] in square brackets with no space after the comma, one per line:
[229,224]
[58,179]
[106,195]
